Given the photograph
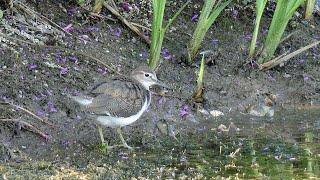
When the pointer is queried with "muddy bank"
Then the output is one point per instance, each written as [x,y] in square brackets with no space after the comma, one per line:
[39,79]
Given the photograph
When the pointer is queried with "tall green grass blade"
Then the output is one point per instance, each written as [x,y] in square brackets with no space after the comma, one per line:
[216,12]
[201,73]
[175,16]
[158,31]
[97,6]
[260,5]
[207,17]
[283,13]
[309,8]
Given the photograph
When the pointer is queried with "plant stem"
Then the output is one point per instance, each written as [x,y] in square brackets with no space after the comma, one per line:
[158,31]
[201,73]
[309,8]
[260,5]
[283,13]
[207,17]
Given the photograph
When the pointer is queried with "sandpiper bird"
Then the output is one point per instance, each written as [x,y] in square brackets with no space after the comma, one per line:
[119,101]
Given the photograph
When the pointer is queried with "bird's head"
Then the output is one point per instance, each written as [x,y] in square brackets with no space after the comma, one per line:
[147,77]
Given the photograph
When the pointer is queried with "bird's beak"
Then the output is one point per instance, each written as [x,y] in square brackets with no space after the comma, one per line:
[159,83]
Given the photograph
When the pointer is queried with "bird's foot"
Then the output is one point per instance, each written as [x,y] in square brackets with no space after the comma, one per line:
[103,147]
[128,147]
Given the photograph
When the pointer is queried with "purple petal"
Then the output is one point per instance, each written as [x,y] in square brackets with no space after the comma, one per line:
[32,66]
[184,111]
[126,6]
[102,70]
[194,17]
[306,77]
[51,107]
[63,70]
[68,28]
[40,112]
[117,32]
[73,58]
[214,42]
[235,13]
[166,54]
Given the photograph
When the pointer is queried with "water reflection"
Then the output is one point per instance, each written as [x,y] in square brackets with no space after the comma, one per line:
[283,147]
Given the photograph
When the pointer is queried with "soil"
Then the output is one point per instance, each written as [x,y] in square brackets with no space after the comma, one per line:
[39,78]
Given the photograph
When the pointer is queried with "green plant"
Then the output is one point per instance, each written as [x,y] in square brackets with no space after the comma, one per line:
[283,13]
[309,8]
[158,31]
[80,2]
[208,15]
[198,94]
[1,14]
[260,5]
[97,6]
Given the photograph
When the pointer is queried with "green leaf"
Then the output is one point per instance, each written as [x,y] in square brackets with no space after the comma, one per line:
[1,14]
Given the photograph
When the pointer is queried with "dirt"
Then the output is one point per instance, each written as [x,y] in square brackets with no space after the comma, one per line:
[40,78]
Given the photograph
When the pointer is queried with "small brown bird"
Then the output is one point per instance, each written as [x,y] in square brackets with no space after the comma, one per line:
[119,101]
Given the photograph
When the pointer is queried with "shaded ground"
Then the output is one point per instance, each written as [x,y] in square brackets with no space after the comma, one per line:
[39,78]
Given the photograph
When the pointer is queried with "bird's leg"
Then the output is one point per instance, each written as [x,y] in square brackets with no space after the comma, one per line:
[104,146]
[122,140]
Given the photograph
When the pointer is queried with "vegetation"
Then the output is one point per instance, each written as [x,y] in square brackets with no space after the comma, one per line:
[97,6]
[158,30]
[198,94]
[309,8]
[209,14]
[283,13]
[260,5]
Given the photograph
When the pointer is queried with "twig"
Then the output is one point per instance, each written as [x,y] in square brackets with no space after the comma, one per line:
[278,60]
[30,113]
[127,23]
[102,16]
[262,47]
[288,36]
[27,126]
[139,25]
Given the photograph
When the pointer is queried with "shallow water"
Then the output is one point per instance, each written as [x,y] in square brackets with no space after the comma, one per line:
[283,147]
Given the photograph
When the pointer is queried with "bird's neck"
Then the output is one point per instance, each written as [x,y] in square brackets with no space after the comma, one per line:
[148,97]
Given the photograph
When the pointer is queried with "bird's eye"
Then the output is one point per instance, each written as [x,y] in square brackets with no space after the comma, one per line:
[147,75]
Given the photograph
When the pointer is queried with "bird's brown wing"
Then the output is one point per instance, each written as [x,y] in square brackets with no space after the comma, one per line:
[119,97]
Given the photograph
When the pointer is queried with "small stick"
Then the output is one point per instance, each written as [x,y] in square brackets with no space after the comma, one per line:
[139,25]
[288,36]
[283,58]
[30,113]
[127,23]
[27,126]
[102,16]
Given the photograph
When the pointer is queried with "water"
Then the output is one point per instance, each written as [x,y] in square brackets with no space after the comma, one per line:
[283,147]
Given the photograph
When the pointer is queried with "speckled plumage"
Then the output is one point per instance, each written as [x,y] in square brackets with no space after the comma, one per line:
[119,101]
[120,97]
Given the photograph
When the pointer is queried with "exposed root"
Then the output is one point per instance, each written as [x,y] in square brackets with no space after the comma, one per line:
[30,113]
[27,126]
[283,58]
[127,23]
